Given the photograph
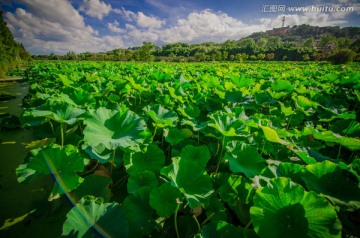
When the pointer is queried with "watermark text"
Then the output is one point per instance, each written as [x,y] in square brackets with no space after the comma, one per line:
[313,8]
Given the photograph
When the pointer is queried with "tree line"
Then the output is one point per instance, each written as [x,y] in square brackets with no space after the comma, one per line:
[270,48]
[301,43]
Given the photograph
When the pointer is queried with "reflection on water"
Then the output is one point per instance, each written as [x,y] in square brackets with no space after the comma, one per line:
[17,200]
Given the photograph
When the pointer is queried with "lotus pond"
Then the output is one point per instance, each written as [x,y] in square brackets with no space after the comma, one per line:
[264,149]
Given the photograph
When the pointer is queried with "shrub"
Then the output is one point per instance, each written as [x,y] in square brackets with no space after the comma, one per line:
[342,56]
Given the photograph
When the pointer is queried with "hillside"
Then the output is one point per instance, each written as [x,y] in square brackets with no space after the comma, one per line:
[303,32]
[12,53]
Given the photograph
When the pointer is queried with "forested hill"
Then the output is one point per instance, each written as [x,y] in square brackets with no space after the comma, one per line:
[302,32]
[12,53]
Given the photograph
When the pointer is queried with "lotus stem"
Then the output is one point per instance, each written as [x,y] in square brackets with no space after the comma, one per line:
[221,154]
[175,217]
[197,223]
[287,128]
[339,153]
[52,128]
[62,134]
[112,162]
[208,218]
[154,132]
[91,170]
[248,225]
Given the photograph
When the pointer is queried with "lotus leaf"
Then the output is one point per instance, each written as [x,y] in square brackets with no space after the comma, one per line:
[283,209]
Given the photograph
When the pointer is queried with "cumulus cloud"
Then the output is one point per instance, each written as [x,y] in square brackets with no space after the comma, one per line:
[95,8]
[148,22]
[140,18]
[114,27]
[126,14]
[55,26]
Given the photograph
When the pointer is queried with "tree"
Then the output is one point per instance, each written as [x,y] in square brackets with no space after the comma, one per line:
[145,52]
[342,56]
[309,42]
[273,42]
[261,43]
[270,56]
[261,56]
[306,57]
[200,56]
[327,39]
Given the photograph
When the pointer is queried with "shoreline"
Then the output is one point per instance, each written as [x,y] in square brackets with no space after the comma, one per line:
[11,79]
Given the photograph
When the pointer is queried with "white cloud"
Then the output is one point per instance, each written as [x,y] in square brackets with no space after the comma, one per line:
[114,27]
[95,8]
[140,18]
[126,14]
[148,22]
[55,26]
[206,26]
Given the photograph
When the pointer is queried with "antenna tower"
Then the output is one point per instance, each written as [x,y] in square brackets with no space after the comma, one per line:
[283,21]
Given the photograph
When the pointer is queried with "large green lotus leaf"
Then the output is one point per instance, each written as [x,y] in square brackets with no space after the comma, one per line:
[190,178]
[199,154]
[78,97]
[228,124]
[174,136]
[336,184]
[236,189]
[59,111]
[283,209]
[98,152]
[245,159]
[164,199]
[116,129]
[271,135]
[241,80]
[304,103]
[216,210]
[94,185]
[282,85]
[140,214]
[288,111]
[93,218]
[141,179]
[237,192]
[62,164]
[346,127]
[189,110]
[153,160]
[329,136]
[221,229]
[161,116]
[290,170]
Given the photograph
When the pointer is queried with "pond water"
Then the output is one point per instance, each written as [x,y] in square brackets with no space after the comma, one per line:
[24,209]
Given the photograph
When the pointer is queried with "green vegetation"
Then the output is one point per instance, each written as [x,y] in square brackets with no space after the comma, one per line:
[260,149]
[12,54]
[300,43]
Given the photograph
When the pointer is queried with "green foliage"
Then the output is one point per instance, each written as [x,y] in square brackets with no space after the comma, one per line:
[260,149]
[12,53]
[342,56]
[282,208]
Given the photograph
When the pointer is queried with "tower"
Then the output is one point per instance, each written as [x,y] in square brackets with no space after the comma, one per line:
[283,21]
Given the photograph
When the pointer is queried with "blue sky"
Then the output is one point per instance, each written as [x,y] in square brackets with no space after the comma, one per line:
[58,26]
